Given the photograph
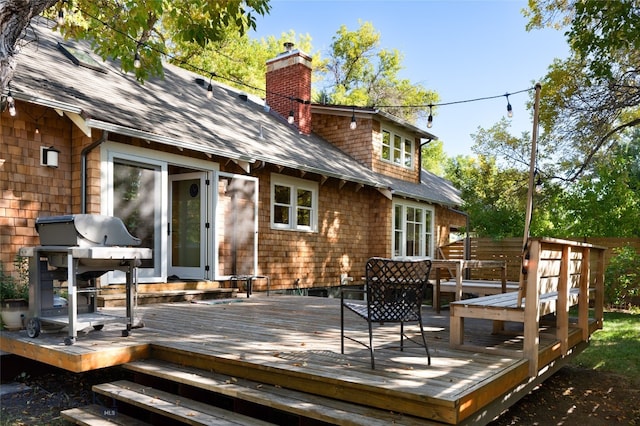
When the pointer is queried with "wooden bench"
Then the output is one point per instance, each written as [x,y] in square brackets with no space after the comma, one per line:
[558,277]
[460,285]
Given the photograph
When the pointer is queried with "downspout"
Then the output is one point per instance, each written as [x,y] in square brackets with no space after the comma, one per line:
[420,154]
[83,169]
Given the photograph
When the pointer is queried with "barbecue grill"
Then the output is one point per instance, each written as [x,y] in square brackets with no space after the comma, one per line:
[78,249]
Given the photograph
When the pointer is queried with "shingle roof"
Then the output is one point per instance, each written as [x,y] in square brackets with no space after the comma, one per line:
[433,189]
[175,110]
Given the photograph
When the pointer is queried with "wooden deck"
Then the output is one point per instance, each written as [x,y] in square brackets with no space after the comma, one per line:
[293,342]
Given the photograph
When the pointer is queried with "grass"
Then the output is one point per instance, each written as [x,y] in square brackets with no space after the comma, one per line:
[615,348]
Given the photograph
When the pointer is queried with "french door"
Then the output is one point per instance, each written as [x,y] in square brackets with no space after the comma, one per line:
[187,227]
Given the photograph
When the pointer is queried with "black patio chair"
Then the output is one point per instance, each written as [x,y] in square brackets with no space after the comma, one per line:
[394,290]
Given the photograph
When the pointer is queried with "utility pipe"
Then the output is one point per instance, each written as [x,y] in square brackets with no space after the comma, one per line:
[83,169]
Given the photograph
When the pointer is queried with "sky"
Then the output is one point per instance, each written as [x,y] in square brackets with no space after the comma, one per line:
[461,49]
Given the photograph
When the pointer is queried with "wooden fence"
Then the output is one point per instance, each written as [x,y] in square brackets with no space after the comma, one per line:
[510,250]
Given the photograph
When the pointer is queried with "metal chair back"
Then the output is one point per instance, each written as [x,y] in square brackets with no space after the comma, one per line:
[394,293]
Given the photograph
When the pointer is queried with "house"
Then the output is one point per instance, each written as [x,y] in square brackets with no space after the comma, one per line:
[215,187]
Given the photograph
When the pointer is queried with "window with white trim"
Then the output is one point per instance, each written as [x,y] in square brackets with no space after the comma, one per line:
[294,203]
[397,149]
[412,230]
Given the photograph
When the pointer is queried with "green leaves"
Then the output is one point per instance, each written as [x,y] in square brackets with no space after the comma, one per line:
[360,72]
[154,28]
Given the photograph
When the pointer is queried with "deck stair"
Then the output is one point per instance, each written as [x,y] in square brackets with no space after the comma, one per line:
[97,415]
[164,390]
[114,295]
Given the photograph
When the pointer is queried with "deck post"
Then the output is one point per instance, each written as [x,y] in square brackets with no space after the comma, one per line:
[599,284]
[583,297]
[532,309]
[459,280]
[498,326]
[562,320]
[456,324]
[436,291]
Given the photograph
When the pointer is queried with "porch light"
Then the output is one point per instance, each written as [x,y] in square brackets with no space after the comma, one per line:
[49,156]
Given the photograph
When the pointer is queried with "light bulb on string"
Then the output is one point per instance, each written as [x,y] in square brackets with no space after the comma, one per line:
[430,118]
[353,123]
[538,181]
[11,104]
[210,89]
[60,19]
[509,108]
[291,117]
[136,60]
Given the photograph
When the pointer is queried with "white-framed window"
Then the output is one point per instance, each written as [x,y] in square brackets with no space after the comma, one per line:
[412,230]
[397,149]
[294,203]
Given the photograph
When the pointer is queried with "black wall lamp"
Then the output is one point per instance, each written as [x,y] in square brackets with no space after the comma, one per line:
[49,156]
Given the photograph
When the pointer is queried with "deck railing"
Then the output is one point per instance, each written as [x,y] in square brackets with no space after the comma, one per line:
[559,275]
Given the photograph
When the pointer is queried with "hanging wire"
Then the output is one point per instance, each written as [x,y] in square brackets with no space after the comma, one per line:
[204,72]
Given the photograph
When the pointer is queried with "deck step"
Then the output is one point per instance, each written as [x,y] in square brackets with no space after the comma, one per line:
[274,397]
[172,406]
[95,415]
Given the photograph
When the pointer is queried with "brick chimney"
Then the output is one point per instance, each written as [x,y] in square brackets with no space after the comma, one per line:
[289,76]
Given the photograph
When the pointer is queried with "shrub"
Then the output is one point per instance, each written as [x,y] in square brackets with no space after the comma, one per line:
[12,287]
[622,278]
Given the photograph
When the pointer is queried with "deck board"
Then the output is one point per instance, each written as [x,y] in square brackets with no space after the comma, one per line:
[294,342]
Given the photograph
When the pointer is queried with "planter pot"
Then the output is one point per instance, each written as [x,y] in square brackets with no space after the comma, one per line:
[14,313]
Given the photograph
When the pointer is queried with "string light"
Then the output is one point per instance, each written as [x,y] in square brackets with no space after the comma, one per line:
[136,60]
[60,19]
[539,182]
[291,117]
[11,104]
[353,123]
[210,88]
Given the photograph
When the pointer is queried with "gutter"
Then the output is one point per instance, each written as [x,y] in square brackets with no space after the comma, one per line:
[83,169]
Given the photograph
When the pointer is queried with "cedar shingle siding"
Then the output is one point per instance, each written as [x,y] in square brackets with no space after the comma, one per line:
[172,116]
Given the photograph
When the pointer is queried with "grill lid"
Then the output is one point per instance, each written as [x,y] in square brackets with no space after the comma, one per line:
[84,230]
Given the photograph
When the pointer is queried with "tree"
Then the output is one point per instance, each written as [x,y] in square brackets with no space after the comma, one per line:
[592,97]
[128,29]
[606,202]
[493,197]
[360,73]
[239,60]
[434,158]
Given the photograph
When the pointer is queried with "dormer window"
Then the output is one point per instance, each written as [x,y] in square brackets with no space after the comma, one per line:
[397,149]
